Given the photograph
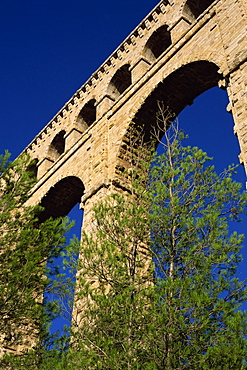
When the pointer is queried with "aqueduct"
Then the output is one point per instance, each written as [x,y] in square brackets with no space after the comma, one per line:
[181,49]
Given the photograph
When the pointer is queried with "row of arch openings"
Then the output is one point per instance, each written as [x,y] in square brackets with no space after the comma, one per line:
[156,45]
[158,42]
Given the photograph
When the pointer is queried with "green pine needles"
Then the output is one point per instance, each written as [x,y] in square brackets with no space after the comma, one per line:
[26,248]
[157,285]
[196,260]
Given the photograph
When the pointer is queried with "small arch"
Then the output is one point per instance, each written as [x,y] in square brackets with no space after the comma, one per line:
[33,168]
[87,115]
[61,198]
[194,8]
[57,146]
[158,42]
[120,82]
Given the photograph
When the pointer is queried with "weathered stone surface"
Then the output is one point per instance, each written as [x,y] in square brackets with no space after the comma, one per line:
[181,49]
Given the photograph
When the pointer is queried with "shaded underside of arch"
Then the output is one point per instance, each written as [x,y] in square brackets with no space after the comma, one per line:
[87,115]
[120,81]
[33,168]
[57,145]
[175,92]
[157,43]
[61,198]
[195,8]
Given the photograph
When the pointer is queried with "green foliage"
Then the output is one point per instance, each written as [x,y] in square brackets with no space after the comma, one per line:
[157,287]
[26,248]
[196,260]
[157,284]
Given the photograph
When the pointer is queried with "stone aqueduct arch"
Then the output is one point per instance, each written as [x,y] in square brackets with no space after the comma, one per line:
[181,49]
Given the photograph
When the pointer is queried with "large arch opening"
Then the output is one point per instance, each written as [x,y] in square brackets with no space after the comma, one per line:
[119,82]
[61,198]
[206,121]
[210,127]
[177,91]
[194,8]
[157,43]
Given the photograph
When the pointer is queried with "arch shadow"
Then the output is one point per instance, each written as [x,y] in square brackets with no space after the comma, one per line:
[158,42]
[61,198]
[194,8]
[120,82]
[176,91]
[87,115]
[57,146]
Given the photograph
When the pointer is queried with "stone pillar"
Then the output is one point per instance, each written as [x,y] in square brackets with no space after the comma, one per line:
[72,137]
[104,104]
[89,201]
[139,69]
[237,92]
[179,28]
[43,166]
[232,21]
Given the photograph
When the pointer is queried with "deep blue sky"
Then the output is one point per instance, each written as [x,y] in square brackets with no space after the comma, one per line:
[50,48]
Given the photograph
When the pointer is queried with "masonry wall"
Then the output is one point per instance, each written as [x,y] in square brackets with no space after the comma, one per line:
[190,54]
[174,55]
[181,49]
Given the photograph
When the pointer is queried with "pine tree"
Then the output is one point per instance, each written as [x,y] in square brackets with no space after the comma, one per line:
[196,259]
[27,248]
[157,285]
[181,311]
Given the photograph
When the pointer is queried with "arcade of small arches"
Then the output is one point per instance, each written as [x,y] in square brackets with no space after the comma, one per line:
[156,45]
[194,79]
[159,41]
[177,89]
